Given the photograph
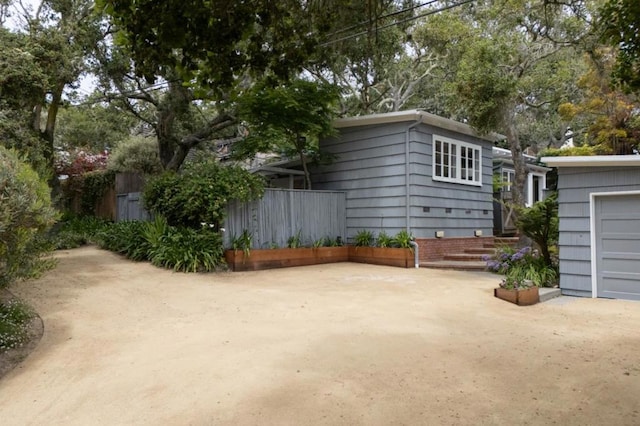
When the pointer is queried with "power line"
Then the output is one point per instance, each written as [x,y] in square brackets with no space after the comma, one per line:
[388,15]
[413,18]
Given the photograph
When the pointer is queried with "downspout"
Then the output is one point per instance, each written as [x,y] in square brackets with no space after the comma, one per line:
[416,258]
[407,188]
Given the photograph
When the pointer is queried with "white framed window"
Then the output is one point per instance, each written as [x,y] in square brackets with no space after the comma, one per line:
[456,161]
[508,176]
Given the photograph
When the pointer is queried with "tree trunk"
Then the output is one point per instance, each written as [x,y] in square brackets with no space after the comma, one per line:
[519,165]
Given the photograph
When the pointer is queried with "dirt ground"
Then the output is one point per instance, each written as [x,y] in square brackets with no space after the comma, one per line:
[339,344]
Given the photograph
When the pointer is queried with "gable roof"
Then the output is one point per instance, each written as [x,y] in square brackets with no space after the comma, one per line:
[414,116]
[593,161]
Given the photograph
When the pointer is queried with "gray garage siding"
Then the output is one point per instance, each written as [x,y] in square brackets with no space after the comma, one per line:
[575,184]
[370,167]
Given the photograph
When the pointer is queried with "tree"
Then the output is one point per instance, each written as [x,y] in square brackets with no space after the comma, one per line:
[58,35]
[619,23]
[211,41]
[507,65]
[363,52]
[94,125]
[604,117]
[288,117]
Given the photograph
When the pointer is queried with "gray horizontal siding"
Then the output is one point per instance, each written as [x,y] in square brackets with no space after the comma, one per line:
[467,202]
[574,188]
[369,166]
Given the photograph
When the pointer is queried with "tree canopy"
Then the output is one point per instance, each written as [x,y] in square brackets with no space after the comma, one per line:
[620,21]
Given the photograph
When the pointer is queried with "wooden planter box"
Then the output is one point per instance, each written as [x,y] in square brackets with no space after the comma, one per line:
[525,297]
[284,257]
[382,256]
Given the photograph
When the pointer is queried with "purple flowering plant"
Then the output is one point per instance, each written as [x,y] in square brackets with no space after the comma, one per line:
[522,268]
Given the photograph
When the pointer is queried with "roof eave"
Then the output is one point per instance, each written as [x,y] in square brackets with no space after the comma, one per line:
[593,161]
[414,116]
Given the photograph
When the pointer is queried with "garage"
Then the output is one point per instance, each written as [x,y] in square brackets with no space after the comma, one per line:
[617,245]
[599,212]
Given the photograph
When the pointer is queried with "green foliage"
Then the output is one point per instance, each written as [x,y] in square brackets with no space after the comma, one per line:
[521,268]
[25,216]
[402,239]
[585,150]
[363,238]
[243,242]
[95,126]
[384,240]
[287,118]
[540,223]
[136,154]
[126,238]
[189,250]
[15,317]
[211,41]
[619,24]
[200,193]
[94,185]
[178,248]
[295,241]
[332,242]
[76,231]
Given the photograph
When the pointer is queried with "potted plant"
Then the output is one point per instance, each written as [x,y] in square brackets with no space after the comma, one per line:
[524,272]
[516,290]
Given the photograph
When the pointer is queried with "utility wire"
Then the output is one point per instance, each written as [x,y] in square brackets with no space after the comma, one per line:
[165,84]
[392,24]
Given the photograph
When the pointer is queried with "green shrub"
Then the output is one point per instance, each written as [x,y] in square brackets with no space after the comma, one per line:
[363,238]
[178,248]
[540,223]
[26,214]
[200,193]
[188,250]
[520,266]
[136,154]
[402,239]
[15,316]
[295,241]
[384,240]
[126,238]
[76,231]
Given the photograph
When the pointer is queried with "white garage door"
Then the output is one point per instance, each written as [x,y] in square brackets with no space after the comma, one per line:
[617,239]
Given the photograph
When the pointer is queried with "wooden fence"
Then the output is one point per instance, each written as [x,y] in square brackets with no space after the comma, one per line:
[283,213]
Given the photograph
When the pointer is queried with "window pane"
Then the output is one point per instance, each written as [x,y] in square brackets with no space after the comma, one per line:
[454,160]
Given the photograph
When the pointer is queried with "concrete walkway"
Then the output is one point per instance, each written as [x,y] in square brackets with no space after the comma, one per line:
[342,344]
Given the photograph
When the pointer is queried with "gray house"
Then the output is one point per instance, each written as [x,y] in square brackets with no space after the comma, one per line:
[413,171]
[534,188]
[599,209]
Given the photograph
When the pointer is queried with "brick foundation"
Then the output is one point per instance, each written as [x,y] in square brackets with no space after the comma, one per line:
[433,249]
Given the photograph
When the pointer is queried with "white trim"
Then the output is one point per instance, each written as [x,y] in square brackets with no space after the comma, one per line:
[458,158]
[593,161]
[414,115]
[543,186]
[592,231]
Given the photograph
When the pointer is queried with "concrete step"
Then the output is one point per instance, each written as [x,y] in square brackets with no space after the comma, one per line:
[486,250]
[465,257]
[548,293]
[505,241]
[454,265]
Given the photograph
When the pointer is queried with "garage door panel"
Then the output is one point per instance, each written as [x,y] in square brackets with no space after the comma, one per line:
[623,244]
[622,288]
[621,225]
[617,233]
[616,204]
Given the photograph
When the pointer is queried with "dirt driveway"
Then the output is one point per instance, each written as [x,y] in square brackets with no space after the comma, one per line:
[341,344]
